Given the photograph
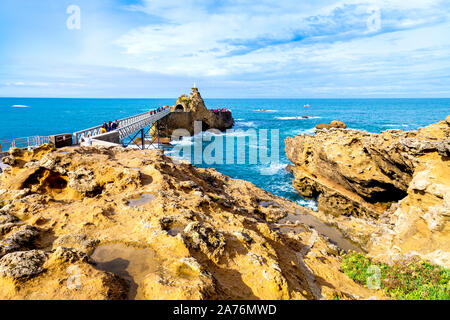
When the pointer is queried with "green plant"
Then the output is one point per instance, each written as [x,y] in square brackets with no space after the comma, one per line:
[405,280]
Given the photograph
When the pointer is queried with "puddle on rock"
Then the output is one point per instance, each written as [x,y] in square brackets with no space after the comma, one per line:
[143,199]
[129,263]
[266,204]
[288,224]
[175,230]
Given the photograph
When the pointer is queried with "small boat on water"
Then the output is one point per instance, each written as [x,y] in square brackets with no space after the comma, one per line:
[19,106]
[307,106]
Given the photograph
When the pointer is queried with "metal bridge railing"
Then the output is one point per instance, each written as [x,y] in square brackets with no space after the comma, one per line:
[23,143]
[127,126]
[132,127]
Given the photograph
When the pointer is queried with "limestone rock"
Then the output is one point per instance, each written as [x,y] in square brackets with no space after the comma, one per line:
[18,240]
[69,255]
[188,110]
[205,238]
[333,124]
[83,181]
[358,171]
[401,177]
[190,240]
[22,264]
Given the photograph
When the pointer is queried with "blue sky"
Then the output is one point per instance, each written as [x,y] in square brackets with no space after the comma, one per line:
[237,48]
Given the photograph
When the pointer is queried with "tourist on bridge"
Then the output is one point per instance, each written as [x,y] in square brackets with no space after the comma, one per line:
[104,128]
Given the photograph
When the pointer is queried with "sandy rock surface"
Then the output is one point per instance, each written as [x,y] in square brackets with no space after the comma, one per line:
[114,223]
[390,191]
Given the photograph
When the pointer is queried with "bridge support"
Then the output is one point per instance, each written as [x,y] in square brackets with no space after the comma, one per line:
[143,139]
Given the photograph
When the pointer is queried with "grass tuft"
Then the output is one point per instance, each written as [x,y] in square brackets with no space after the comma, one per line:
[405,280]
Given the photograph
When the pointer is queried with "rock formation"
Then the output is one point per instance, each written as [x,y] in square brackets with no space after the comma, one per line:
[115,223]
[187,110]
[399,179]
[333,124]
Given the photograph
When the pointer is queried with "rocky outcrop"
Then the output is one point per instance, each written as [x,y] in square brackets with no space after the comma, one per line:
[178,232]
[399,178]
[187,110]
[333,124]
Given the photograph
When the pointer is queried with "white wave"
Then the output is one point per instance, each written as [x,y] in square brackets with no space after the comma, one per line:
[297,118]
[308,203]
[396,125]
[20,106]
[183,142]
[304,131]
[239,119]
[264,110]
[247,124]
[273,169]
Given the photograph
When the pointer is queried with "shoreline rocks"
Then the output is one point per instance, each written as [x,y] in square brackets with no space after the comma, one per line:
[402,177]
[206,236]
[333,124]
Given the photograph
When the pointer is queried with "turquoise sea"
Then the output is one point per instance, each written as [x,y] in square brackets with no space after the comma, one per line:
[51,116]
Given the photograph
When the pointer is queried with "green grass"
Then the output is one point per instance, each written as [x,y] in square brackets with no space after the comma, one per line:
[405,280]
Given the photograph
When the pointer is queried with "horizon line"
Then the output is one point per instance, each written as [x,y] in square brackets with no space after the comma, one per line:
[236,98]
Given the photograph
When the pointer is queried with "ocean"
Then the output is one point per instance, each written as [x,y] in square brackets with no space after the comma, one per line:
[39,116]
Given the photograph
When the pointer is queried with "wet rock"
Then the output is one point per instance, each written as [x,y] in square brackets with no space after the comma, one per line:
[22,264]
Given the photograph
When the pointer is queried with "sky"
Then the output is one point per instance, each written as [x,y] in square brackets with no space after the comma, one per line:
[229,49]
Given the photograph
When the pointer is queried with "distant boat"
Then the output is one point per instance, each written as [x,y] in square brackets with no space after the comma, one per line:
[307,106]
[19,106]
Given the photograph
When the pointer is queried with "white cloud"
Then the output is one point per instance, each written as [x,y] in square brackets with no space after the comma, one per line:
[244,37]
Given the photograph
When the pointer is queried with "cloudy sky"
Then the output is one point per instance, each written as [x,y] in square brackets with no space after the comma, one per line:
[236,48]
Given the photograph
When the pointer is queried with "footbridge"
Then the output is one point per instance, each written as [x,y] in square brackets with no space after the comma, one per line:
[128,129]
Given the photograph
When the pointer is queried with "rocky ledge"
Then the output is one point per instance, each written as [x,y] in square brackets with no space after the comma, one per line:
[115,223]
[396,184]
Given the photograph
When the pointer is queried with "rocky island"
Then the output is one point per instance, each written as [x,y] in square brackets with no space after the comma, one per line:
[390,192]
[188,110]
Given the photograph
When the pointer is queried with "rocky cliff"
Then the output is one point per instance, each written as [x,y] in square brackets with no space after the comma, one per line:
[399,179]
[115,223]
[187,110]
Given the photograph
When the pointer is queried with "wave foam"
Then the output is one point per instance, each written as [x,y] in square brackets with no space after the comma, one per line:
[304,131]
[273,169]
[308,203]
[264,110]
[296,118]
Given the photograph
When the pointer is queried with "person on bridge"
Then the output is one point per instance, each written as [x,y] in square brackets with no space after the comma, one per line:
[114,125]
[104,128]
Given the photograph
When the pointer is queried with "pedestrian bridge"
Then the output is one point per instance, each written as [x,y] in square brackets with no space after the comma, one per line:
[127,126]
[127,130]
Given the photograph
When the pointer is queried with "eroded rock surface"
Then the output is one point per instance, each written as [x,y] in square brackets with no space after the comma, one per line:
[201,235]
[396,182]
[188,110]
